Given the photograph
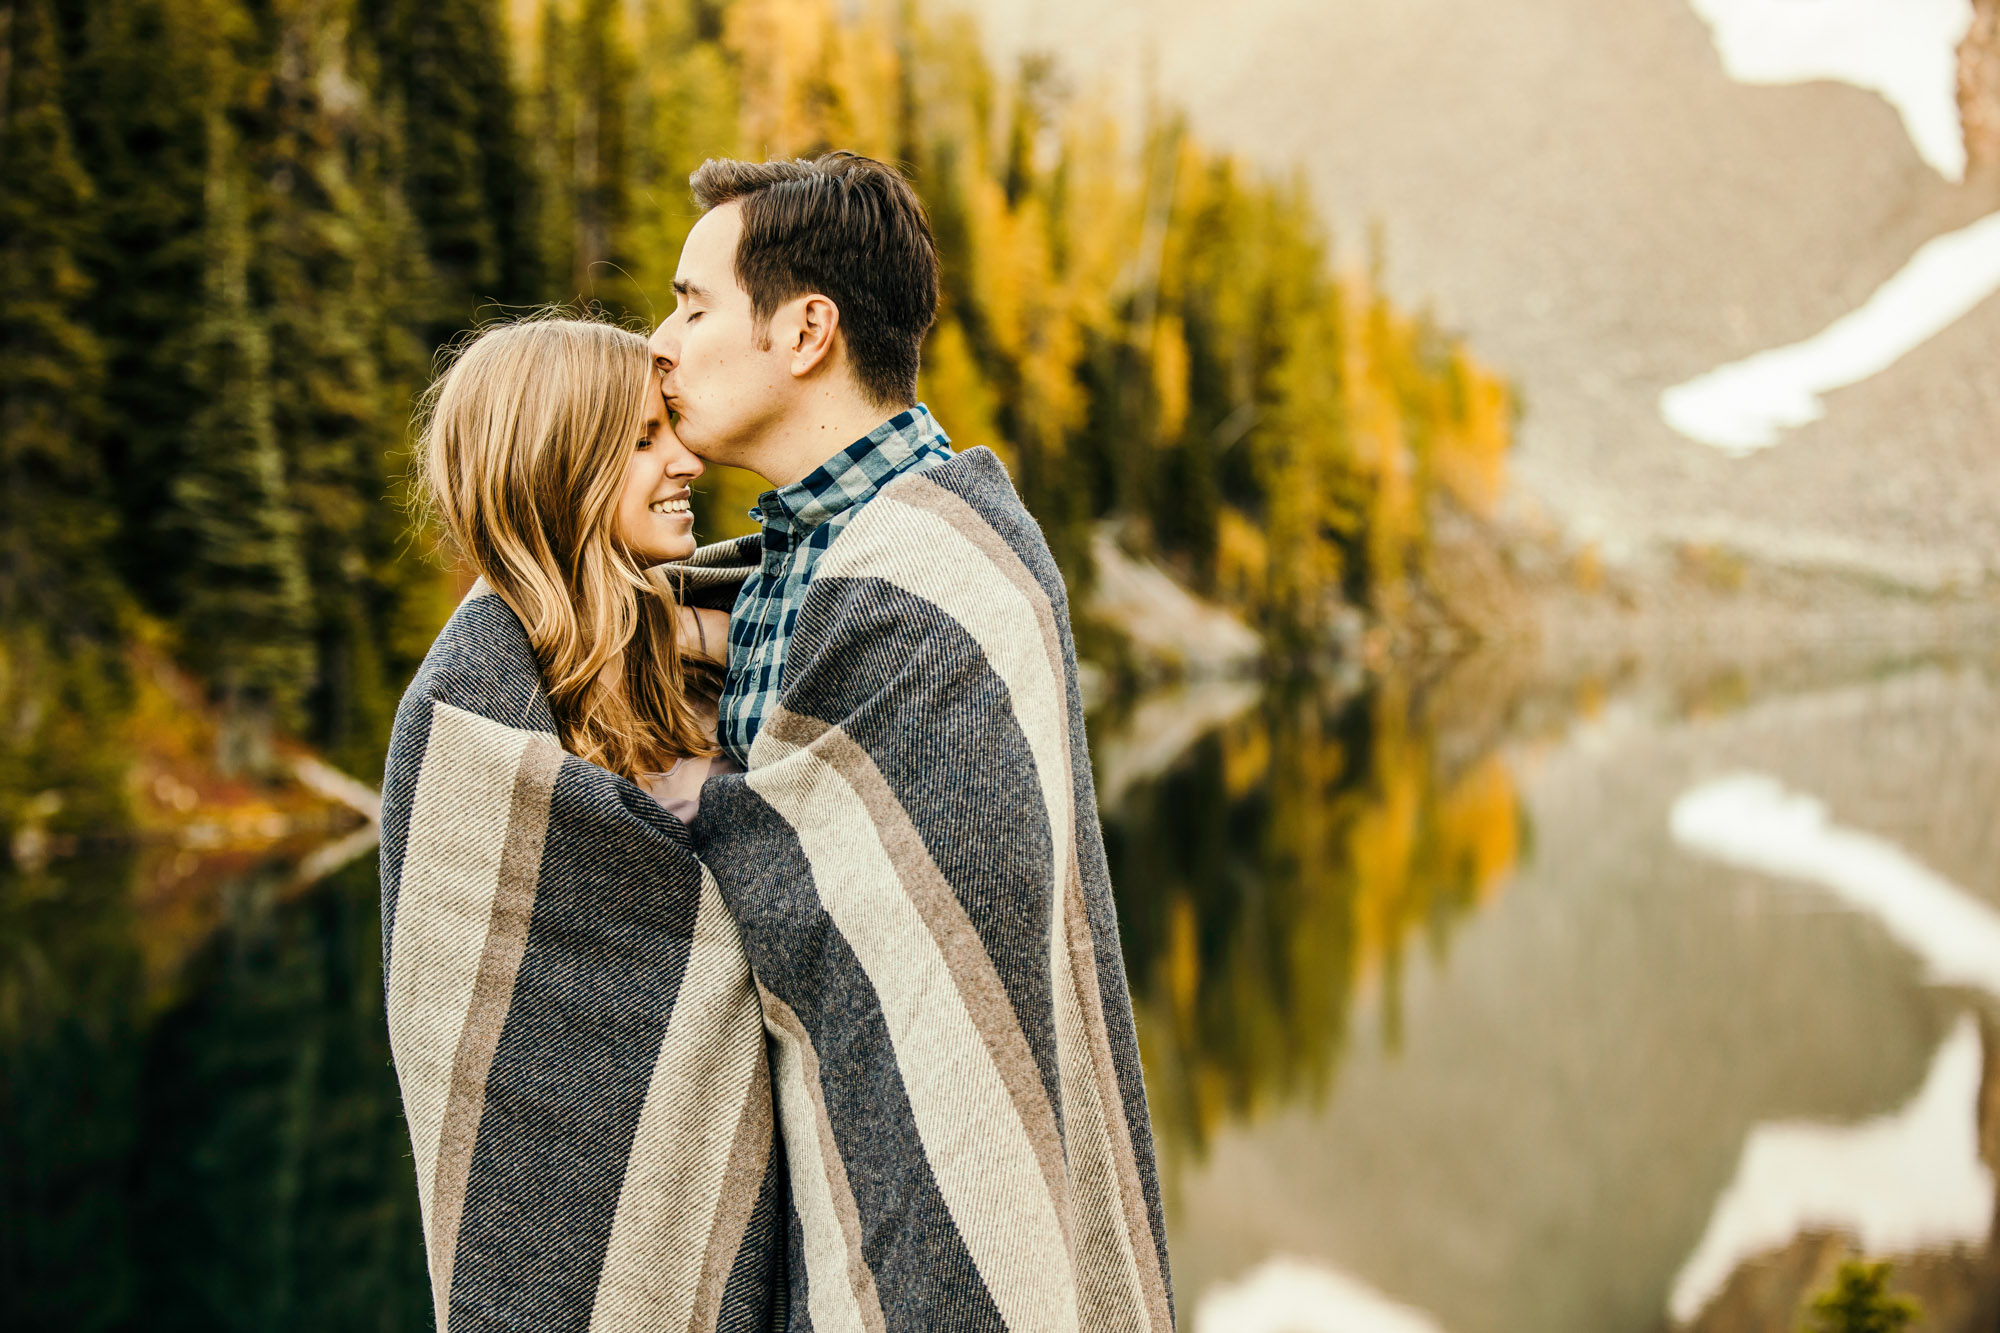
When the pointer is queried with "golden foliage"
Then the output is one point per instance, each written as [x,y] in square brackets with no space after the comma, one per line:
[1246,952]
[1138,325]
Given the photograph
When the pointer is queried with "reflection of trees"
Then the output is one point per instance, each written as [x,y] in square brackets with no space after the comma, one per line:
[1288,857]
[68,1066]
[233,1160]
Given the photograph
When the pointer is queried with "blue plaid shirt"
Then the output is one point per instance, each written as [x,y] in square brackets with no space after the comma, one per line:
[800,522]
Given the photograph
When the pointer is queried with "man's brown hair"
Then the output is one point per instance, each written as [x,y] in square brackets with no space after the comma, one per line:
[849,228]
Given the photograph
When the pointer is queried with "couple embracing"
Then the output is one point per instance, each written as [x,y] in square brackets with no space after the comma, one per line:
[750,954]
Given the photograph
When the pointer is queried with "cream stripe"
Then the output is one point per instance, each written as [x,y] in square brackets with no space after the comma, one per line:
[840,1289]
[1107,1269]
[922,538]
[920,492]
[979,1151]
[964,952]
[670,1199]
[1118,1258]
[922,554]
[492,1000]
[1144,1243]
[451,868]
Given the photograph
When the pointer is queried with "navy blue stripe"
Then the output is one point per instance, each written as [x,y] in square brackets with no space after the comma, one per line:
[923,1272]
[967,769]
[614,919]
[753,1298]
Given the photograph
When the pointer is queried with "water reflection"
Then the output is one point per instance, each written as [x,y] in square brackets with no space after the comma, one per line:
[1292,854]
[1904,1183]
[1289,1295]
[200,1122]
[1751,820]
[1411,1068]
[1621,1068]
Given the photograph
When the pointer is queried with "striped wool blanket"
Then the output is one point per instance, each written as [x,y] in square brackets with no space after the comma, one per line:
[915,861]
[578,1039]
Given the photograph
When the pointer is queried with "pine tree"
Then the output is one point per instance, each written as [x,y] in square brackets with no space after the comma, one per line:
[1859,1301]
[343,363]
[278,208]
[446,87]
[140,95]
[53,533]
[60,609]
[246,605]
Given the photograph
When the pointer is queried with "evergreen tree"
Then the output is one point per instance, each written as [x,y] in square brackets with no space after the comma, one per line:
[60,609]
[446,85]
[583,79]
[53,531]
[246,603]
[140,94]
[340,272]
[1859,1301]
[278,208]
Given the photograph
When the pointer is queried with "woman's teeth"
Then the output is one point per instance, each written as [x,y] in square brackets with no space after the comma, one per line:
[670,507]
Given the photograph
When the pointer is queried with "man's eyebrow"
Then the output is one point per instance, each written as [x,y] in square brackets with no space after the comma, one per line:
[685,288]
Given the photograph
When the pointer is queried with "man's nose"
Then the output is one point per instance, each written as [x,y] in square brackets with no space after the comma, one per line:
[666,348]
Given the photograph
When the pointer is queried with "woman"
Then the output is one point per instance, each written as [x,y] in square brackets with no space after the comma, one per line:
[574,1027]
[563,518]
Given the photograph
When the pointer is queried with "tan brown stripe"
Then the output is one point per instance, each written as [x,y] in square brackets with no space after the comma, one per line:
[1124,1161]
[749,1156]
[679,1154]
[965,955]
[794,729]
[920,492]
[492,996]
[861,1279]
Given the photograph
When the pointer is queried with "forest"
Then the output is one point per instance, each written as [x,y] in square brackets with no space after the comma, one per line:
[233,234]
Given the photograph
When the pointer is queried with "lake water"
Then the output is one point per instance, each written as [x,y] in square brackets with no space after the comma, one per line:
[1668,1049]
[1504,999]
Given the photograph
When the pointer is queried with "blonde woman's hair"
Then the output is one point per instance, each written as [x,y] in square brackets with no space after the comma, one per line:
[522,446]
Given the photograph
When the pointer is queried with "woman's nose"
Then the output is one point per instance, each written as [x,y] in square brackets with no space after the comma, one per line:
[687,466]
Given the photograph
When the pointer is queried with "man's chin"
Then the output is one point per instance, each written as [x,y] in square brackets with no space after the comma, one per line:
[730,449]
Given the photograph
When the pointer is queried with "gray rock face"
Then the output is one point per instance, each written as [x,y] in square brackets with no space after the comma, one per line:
[1584,192]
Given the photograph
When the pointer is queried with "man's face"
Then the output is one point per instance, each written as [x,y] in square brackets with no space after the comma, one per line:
[725,381]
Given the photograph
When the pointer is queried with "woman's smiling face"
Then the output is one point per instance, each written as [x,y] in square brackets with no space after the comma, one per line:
[655,509]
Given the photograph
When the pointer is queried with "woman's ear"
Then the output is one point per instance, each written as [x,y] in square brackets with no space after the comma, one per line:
[814,321]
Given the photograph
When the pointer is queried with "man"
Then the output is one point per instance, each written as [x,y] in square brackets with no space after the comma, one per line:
[913,855]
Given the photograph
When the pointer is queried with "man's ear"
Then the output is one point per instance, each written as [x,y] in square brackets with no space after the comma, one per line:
[813,321]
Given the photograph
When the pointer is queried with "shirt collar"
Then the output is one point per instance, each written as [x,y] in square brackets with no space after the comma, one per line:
[854,474]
